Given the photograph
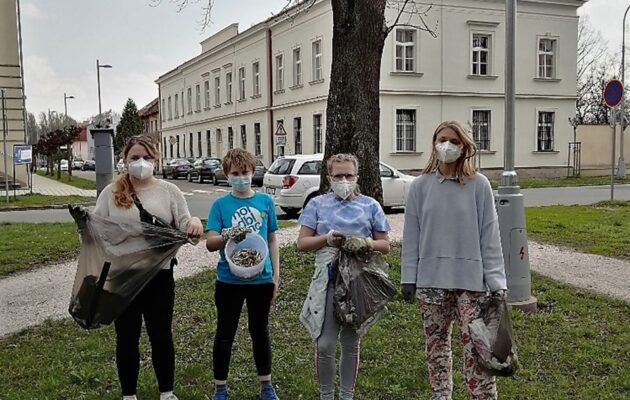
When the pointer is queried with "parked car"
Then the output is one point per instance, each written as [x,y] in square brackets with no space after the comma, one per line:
[77,164]
[88,165]
[219,176]
[293,181]
[203,169]
[175,168]
[259,173]
[64,165]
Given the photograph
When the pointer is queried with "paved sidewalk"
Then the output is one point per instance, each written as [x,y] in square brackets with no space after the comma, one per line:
[52,187]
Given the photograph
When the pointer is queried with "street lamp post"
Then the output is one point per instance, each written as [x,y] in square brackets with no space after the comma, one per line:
[65,103]
[621,169]
[98,81]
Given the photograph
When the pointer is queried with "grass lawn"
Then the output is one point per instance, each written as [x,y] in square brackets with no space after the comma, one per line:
[602,228]
[25,246]
[526,183]
[575,348]
[32,200]
[76,181]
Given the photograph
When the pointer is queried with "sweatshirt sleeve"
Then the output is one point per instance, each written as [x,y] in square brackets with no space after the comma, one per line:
[490,241]
[411,237]
[181,214]
[102,202]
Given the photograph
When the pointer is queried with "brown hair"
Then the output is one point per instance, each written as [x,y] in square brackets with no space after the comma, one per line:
[123,189]
[239,158]
[463,167]
[340,158]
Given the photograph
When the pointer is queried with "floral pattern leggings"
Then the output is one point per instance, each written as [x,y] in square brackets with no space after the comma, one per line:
[438,313]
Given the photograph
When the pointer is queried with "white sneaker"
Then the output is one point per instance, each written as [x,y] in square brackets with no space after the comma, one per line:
[168,396]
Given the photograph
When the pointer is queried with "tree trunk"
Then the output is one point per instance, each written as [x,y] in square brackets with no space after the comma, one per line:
[58,167]
[353,110]
[70,159]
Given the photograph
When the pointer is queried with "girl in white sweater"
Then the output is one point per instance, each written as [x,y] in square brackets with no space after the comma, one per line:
[451,257]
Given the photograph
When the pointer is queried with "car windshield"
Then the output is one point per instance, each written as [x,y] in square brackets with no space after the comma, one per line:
[281,166]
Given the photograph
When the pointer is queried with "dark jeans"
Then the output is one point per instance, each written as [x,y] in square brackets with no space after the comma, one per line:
[229,300]
[154,303]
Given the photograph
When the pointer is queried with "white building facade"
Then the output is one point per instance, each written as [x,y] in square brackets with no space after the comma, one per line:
[246,89]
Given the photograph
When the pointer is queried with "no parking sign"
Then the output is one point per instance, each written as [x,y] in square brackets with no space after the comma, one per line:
[613,93]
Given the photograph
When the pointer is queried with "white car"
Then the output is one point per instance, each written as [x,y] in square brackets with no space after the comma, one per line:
[64,165]
[294,180]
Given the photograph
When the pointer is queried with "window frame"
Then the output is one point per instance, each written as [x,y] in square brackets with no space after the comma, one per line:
[488,123]
[538,137]
[257,139]
[217,91]
[554,57]
[256,79]
[297,66]
[241,84]
[279,72]
[317,69]
[405,45]
[189,98]
[297,135]
[489,54]
[206,93]
[318,130]
[404,139]
[228,87]
[244,136]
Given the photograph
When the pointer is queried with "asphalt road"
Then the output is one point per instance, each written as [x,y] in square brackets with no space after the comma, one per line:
[201,196]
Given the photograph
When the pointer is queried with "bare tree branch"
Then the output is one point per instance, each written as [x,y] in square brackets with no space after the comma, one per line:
[414,16]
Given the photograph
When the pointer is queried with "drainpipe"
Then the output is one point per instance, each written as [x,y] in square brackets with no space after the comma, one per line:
[270,93]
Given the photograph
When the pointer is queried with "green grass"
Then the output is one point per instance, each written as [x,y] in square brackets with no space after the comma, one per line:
[283,223]
[575,348]
[528,183]
[25,246]
[602,228]
[76,181]
[38,200]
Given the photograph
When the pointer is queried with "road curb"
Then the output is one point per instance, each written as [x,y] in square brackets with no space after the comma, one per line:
[50,207]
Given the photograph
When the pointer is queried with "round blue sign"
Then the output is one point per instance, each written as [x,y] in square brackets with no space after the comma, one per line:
[613,93]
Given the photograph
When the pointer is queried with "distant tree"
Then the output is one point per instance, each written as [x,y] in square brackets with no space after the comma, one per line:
[129,125]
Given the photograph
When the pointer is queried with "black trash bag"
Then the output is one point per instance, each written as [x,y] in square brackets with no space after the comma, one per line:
[118,258]
[362,288]
[492,337]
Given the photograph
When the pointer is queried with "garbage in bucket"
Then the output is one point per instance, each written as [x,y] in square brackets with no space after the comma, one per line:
[253,250]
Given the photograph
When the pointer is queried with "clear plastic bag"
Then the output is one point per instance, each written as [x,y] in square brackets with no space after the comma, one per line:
[118,258]
[492,336]
[362,288]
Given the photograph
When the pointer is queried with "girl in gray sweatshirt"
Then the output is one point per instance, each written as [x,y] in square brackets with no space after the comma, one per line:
[451,256]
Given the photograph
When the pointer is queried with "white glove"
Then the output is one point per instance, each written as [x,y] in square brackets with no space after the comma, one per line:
[334,238]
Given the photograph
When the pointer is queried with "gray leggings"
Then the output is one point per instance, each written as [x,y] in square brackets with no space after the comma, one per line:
[325,357]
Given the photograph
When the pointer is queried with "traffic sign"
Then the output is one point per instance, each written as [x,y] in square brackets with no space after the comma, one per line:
[613,93]
[280,130]
[22,154]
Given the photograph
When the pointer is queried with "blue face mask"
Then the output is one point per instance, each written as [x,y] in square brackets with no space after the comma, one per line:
[240,183]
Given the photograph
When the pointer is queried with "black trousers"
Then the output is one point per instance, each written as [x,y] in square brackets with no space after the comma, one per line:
[229,299]
[154,303]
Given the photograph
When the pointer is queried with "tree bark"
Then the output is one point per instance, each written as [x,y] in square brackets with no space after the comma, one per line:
[353,109]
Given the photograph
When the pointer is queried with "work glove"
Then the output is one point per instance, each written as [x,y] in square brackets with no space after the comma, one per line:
[408,291]
[355,245]
[80,215]
[334,238]
[235,233]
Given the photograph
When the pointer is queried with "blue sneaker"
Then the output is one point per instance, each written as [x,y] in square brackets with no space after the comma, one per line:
[220,393]
[267,392]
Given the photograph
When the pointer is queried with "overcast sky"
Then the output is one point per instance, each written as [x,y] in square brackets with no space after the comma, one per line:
[63,39]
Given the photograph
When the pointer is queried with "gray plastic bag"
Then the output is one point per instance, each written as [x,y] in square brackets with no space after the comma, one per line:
[118,258]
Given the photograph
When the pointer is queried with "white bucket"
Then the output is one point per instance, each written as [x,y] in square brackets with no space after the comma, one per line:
[251,241]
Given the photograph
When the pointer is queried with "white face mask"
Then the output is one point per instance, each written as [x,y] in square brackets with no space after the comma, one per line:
[343,188]
[448,152]
[141,169]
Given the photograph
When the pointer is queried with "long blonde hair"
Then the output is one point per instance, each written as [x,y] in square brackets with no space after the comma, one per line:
[123,189]
[464,167]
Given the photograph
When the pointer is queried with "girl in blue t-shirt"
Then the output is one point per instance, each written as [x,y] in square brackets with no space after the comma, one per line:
[232,215]
[323,222]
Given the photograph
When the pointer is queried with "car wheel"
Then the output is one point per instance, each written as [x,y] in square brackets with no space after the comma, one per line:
[290,212]
[214,181]
[189,177]
[200,178]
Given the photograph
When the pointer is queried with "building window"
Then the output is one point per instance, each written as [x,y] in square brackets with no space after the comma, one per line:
[164,146]
[199,144]
[182,97]
[297,67]
[279,73]
[230,138]
[481,54]
[217,91]
[317,133]
[206,94]
[481,129]
[219,139]
[317,60]
[163,110]
[170,108]
[244,136]
[405,130]
[545,130]
[546,58]
[228,87]
[190,145]
[178,146]
[198,97]
[256,76]
[257,140]
[208,144]
[405,50]
[241,83]
[177,107]
[297,134]
[189,98]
